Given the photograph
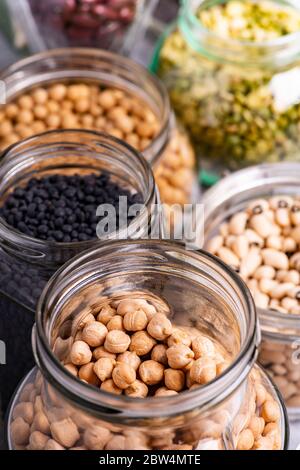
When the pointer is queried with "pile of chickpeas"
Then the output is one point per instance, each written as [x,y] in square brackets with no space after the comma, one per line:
[129,347]
[111,110]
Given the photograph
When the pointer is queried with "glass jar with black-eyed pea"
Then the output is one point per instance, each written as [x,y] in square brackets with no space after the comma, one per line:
[252,223]
[232,71]
[146,346]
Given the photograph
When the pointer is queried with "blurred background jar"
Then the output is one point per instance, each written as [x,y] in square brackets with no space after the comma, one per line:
[280,348]
[200,293]
[98,90]
[233,81]
[27,263]
[107,24]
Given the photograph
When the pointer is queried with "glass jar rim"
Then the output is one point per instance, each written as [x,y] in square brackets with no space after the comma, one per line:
[100,401]
[157,145]
[13,154]
[248,179]
[286,47]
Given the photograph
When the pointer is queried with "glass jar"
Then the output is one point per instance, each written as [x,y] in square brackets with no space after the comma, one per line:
[167,148]
[280,331]
[200,292]
[239,99]
[110,25]
[28,263]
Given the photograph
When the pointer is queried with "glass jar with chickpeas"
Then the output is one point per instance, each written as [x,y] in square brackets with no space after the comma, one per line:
[145,346]
[51,189]
[98,90]
[232,71]
[252,222]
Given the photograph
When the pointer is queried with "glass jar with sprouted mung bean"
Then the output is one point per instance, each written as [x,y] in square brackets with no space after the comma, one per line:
[97,90]
[233,75]
[252,222]
[146,346]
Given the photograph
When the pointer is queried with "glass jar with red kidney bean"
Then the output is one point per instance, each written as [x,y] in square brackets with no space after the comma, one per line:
[98,90]
[252,221]
[51,188]
[143,345]
[107,24]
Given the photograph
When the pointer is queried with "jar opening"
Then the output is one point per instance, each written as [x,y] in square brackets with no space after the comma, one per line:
[71,152]
[277,51]
[198,288]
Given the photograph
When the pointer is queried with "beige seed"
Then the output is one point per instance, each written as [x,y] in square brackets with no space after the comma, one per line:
[275,258]
[237,223]
[96,437]
[100,352]
[289,245]
[254,238]
[116,323]
[281,290]
[228,256]
[80,353]
[256,425]
[292,276]
[179,336]
[160,327]
[123,375]
[141,343]
[263,443]
[130,305]
[270,411]
[151,372]
[274,242]
[94,334]
[37,440]
[86,373]
[203,370]
[116,341]
[117,442]
[41,423]
[179,356]
[261,225]
[215,244]
[24,410]
[106,314]
[164,392]
[261,300]
[65,432]
[20,431]
[251,262]
[174,379]
[245,440]
[267,285]
[103,368]
[137,390]
[130,358]
[240,246]
[135,321]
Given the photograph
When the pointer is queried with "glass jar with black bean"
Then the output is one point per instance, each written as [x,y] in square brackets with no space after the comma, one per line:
[51,189]
[232,71]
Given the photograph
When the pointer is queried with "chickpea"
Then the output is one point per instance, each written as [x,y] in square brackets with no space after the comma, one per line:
[96,437]
[116,341]
[245,440]
[135,321]
[160,327]
[40,95]
[94,334]
[151,372]
[103,368]
[65,432]
[106,314]
[123,375]
[41,423]
[26,102]
[203,346]
[37,440]
[110,387]
[164,392]
[203,370]
[86,372]
[53,121]
[130,358]
[40,112]
[116,443]
[141,343]
[24,410]
[5,128]
[137,390]
[58,92]
[116,323]
[80,353]
[179,336]
[130,305]
[174,379]
[159,354]
[53,445]
[100,352]
[270,411]
[20,431]
[107,100]
[179,356]
[11,110]
[72,369]
[82,105]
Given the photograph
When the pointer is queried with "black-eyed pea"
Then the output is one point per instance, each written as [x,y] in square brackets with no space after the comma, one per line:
[237,223]
[295,214]
[53,445]
[275,258]
[254,238]
[274,242]
[262,225]
[24,410]
[289,245]
[292,276]
[245,440]
[294,292]
[240,246]
[258,206]
[267,285]
[261,300]
[20,431]
[96,437]
[228,256]
[251,262]
[274,304]
[281,290]
[215,244]
[229,241]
